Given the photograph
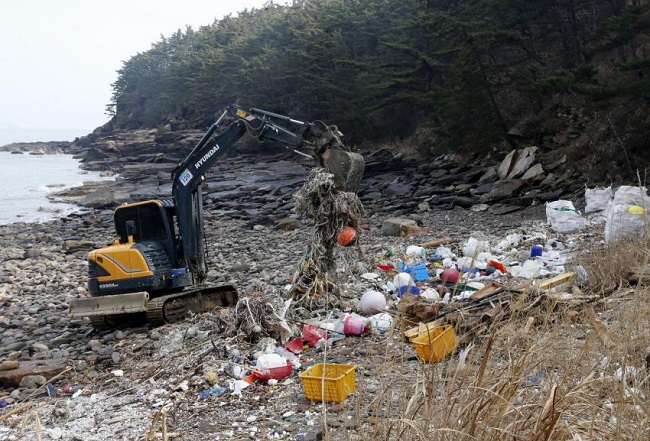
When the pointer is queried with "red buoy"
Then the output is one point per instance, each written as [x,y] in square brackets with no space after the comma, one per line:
[346,236]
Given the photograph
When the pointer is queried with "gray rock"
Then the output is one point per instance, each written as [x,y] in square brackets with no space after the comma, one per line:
[535,173]
[116,357]
[311,434]
[502,190]
[399,189]
[72,246]
[397,226]
[489,176]
[32,381]
[482,189]
[40,347]
[80,365]
[95,345]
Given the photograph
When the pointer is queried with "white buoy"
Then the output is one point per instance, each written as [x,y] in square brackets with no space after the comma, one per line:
[372,302]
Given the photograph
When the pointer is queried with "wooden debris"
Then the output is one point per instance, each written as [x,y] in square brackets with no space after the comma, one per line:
[569,297]
[16,410]
[436,242]
[487,290]
[556,281]
[47,368]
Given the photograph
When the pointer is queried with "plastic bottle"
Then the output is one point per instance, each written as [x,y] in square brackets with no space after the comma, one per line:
[289,356]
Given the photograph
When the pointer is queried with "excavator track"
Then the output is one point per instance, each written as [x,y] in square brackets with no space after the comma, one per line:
[158,311]
[117,321]
[178,306]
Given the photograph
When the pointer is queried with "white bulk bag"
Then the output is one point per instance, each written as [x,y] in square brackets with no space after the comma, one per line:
[597,199]
[624,221]
[563,217]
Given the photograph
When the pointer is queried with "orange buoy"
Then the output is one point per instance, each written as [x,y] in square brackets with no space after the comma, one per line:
[346,236]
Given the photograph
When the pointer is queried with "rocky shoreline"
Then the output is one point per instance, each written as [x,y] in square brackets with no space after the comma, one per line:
[108,384]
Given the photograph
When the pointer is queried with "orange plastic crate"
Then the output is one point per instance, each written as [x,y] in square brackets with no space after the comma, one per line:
[435,344]
[329,382]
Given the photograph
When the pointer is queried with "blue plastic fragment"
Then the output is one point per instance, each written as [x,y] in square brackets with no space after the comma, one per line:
[217,390]
[408,289]
[51,390]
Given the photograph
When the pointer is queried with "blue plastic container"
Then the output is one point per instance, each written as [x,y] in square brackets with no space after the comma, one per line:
[418,272]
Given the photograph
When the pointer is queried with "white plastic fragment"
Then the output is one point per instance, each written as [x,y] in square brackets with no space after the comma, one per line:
[237,386]
[474,246]
[415,250]
[507,243]
[269,361]
[381,322]
[55,433]
[430,294]
[444,252]
[529,270]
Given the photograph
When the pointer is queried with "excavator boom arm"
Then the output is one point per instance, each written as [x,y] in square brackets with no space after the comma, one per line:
[323,141]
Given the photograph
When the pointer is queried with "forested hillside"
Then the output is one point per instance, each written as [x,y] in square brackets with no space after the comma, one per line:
[570,76]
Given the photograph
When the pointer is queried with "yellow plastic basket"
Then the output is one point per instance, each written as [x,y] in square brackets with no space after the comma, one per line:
[435,344]
[329,382]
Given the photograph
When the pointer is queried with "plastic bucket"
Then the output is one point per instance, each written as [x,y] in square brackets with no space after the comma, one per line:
[354,325]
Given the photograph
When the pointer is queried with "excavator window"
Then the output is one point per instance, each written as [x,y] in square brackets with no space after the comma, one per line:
[147,219]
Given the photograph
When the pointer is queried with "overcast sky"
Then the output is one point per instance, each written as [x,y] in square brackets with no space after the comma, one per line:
[58,58]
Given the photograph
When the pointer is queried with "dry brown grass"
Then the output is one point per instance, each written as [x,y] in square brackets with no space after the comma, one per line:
[544,374]
[608,266]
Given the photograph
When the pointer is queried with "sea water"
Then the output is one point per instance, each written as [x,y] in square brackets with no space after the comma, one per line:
[10,134]
[26,181]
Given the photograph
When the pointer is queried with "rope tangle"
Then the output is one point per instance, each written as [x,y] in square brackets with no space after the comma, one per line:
[329,209]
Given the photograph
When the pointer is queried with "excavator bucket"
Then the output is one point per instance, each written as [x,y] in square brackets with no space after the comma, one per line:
[347,167]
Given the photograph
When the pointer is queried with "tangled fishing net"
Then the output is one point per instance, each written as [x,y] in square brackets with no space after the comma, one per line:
[262,313]
[330,210]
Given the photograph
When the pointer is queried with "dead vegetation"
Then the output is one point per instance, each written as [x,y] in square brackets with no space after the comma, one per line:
[561,371]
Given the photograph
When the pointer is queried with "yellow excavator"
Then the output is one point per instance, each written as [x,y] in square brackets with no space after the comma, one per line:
[156,268]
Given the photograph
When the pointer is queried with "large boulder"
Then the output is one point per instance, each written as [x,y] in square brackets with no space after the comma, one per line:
[503,190]
[516,163]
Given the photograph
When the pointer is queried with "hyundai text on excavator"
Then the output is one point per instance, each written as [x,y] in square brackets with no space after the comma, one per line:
[156,268]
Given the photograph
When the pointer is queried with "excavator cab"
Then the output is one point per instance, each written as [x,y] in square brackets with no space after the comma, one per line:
[144,257]
[146,221]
